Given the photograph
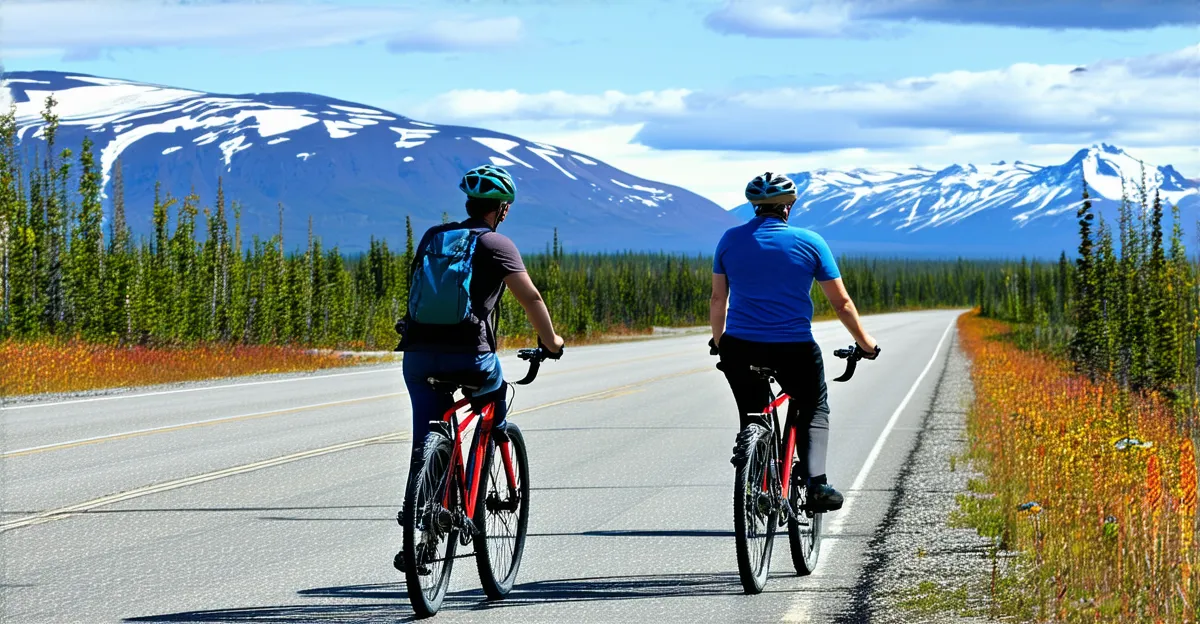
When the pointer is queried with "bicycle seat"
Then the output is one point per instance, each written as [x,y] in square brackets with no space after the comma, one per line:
[449,382]
[763,371]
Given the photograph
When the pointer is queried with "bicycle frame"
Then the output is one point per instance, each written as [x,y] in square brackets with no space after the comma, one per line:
[771,411]
[470,489]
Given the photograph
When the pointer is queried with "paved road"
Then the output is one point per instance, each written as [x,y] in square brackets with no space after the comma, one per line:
[274,501]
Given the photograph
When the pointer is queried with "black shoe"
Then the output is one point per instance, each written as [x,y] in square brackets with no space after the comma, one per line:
[822,497]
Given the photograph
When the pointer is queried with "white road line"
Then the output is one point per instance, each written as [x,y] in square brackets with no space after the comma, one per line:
[196,423]
[103,501]
[114,397]
[799,612]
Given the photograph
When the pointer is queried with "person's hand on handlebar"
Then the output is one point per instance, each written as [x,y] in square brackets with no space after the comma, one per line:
[557,351]
[869,347]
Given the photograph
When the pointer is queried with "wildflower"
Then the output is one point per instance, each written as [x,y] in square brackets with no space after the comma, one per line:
[1128,443]
[1153,484]
[1110,527]
[1032,507]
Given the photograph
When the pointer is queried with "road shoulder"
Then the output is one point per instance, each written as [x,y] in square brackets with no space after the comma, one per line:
[917,564]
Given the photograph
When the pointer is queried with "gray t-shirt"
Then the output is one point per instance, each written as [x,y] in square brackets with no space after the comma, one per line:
[496,257]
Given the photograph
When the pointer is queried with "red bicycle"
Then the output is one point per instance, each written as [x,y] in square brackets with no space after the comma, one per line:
[452,499]
[759,505]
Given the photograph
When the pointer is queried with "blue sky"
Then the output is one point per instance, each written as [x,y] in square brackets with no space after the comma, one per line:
[702,93]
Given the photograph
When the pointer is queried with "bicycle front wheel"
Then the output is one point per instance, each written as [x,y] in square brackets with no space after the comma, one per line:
[754,511]
[502,515]
[804,530]
[430,537]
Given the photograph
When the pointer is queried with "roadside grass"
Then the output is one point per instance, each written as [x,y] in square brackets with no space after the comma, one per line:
[70,366]
[1094,489]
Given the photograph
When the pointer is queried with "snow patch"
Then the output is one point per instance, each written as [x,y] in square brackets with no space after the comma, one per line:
[119,127]
[546,154]
[99,104]
[500,162]
[583,159]
[98,81]
[422,124]
[353,109]
[409,159]
[277,120]
[233,146]
[171,150]
[339,129]
[304,155]
[503,147]
[278,141]
[23,80]
[412,137]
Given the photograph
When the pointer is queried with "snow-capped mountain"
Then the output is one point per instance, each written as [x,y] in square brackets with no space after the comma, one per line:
[356,170]
[999,209]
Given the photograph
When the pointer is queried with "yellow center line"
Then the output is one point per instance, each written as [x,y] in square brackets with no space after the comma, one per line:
[84,507]
[610,391]
[103,501]
[192,425]
[291,410]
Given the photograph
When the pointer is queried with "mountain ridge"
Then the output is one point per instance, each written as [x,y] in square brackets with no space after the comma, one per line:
[357,170]
[1015,208]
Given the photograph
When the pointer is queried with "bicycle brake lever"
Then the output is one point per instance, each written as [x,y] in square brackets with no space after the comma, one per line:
[851,364]
[534,365]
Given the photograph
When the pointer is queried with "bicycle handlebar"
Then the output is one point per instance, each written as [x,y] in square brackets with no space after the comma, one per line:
[852,355]
[535,358]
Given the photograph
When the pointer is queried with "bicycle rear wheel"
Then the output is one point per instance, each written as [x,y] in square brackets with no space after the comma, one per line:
[502,516]
[804,530]
[754,511]
[430,537]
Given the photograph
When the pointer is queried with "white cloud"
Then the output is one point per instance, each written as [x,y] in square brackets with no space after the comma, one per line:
[864,18]
[711,142]
[85,28]
[1140,102]
[474,104]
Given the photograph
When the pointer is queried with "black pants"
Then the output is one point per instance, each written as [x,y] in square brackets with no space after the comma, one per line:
[801,372]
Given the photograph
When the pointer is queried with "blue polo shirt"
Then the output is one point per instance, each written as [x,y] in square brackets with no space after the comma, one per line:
[770,267]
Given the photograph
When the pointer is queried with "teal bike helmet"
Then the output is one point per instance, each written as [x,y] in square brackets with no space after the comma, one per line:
[489,182]
[771,188]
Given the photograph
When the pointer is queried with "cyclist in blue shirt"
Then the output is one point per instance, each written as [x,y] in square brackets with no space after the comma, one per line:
[761,315]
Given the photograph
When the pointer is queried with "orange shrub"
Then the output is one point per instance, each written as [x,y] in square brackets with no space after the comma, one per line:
[37,367]
[1114,474]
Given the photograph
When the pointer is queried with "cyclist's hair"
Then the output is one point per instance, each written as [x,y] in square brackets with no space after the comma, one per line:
[479,207]
[772,210]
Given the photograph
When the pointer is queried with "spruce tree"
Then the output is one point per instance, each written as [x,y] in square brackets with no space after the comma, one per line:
[1086,346]
[86,259]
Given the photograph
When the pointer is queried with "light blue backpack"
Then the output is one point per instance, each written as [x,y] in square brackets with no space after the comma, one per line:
[440,293]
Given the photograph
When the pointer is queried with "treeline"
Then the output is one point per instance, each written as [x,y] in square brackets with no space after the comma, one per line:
[1127,307]
[197,279]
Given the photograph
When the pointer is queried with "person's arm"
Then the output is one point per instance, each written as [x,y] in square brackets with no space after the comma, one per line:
[718,306]
[843,306]
[528,296]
